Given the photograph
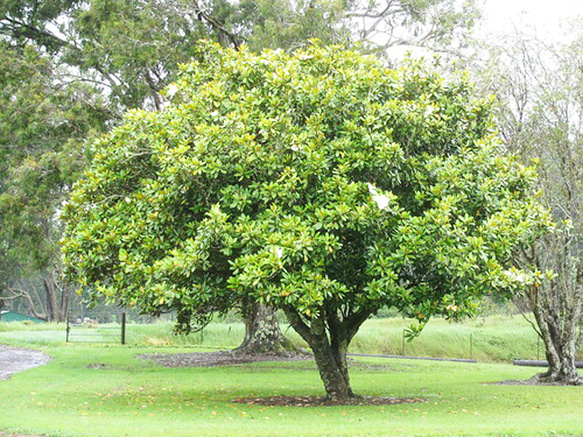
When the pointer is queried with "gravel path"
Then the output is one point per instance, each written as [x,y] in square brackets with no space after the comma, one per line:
[13,359]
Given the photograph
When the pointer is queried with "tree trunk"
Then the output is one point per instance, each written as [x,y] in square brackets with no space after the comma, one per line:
[562,366]
[560,341]
[54,311]
[64,305]
[51,299]
[262,333]
[329,337]
[557,303]
[333,368]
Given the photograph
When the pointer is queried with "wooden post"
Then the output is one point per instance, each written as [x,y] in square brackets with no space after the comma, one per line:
[123,328]
[68,330]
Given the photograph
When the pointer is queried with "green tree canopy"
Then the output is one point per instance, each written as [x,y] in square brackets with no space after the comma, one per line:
[319,182]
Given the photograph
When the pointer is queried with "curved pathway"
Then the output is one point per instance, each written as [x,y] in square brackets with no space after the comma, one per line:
[15,359]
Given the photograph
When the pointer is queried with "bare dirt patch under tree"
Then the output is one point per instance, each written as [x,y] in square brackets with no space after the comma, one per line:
[319,401]
[219,358]
[235,357]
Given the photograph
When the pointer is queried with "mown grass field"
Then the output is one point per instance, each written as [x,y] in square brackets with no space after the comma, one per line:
[104,390]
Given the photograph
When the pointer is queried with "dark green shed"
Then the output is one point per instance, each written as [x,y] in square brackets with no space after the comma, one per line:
[9,316]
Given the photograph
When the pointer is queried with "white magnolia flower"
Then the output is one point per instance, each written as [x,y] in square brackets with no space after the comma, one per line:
[516,276]
[171,90]
[278,251]
[381,200]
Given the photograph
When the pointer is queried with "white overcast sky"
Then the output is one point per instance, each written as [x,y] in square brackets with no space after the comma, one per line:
[546,18]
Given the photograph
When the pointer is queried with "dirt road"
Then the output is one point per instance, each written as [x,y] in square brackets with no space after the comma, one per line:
[13,359]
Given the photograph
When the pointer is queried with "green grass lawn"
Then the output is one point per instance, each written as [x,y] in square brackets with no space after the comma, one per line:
[104,390]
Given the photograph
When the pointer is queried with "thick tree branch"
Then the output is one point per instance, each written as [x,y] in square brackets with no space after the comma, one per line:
[233,39]
[17,293]
[298,324]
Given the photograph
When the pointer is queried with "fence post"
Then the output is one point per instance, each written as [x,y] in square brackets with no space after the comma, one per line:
[68,330]
[123,328]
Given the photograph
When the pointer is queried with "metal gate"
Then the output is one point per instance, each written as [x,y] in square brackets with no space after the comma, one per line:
[89,332]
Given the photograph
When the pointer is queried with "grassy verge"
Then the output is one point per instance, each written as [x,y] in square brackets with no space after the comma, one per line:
[493,339]
[106,391]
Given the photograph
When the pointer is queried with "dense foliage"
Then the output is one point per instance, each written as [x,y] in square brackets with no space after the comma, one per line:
[319,182]
[42,127]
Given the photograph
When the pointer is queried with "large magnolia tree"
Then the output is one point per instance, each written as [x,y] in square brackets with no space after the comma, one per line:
[320,183]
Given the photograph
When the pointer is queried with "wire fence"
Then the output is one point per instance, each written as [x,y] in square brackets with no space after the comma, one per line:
[464,345]
[87,332]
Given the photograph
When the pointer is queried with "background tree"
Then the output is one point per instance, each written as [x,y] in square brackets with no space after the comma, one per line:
[321,183]
[130,48]
[540,90]
[42,123]
[435,24]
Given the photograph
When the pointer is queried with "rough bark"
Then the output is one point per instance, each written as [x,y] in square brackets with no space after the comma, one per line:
[557,327]
[57,299]
[17,293]
[329,335]
[262,333]
[332,364]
